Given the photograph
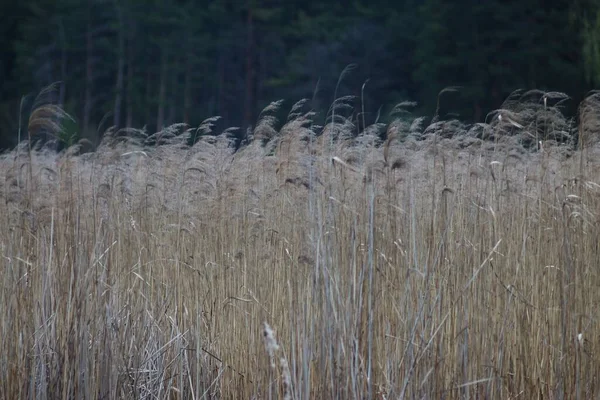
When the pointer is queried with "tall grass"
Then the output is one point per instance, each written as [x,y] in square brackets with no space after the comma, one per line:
[394,261]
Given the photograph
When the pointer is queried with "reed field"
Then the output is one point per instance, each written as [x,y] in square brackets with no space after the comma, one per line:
[406,260]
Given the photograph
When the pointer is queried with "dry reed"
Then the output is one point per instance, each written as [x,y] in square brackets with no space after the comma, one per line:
[423,266]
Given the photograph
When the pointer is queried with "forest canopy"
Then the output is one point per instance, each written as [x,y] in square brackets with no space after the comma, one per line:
[148,64]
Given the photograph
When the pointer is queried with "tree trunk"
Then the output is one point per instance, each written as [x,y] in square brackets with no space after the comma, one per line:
[250,73]
[129,101]
[171,92]
[477,112]
[187,90]
[149,91]
[261,76]
[221,101]
[162,90]
[62,94]
[87,102]
[120,69]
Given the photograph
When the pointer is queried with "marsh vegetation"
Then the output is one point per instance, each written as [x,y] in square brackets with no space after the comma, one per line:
[410,259]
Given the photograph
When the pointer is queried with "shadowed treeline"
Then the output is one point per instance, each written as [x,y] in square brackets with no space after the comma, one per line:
[136,64]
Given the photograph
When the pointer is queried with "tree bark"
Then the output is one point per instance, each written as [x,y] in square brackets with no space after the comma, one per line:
[162,90]
[148,93]
[187,90]
[259,76]
[87,103]
[172,105]
[250,73]
[221,92]
[129,101]
[120,68]
[477,112]
[62,94]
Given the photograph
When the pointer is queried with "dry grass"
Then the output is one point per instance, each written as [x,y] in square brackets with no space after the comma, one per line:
[445,262]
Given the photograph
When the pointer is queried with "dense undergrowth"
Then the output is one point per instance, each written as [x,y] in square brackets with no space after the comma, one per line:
[389,261]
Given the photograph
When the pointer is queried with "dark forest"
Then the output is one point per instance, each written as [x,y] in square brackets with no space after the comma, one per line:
[149,64]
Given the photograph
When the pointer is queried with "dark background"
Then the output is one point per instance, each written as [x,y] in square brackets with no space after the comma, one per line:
[134,63]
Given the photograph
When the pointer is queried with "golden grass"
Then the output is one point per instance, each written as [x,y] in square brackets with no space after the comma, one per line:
[432,268]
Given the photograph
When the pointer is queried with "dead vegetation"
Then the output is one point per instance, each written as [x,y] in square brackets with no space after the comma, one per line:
[440,261]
